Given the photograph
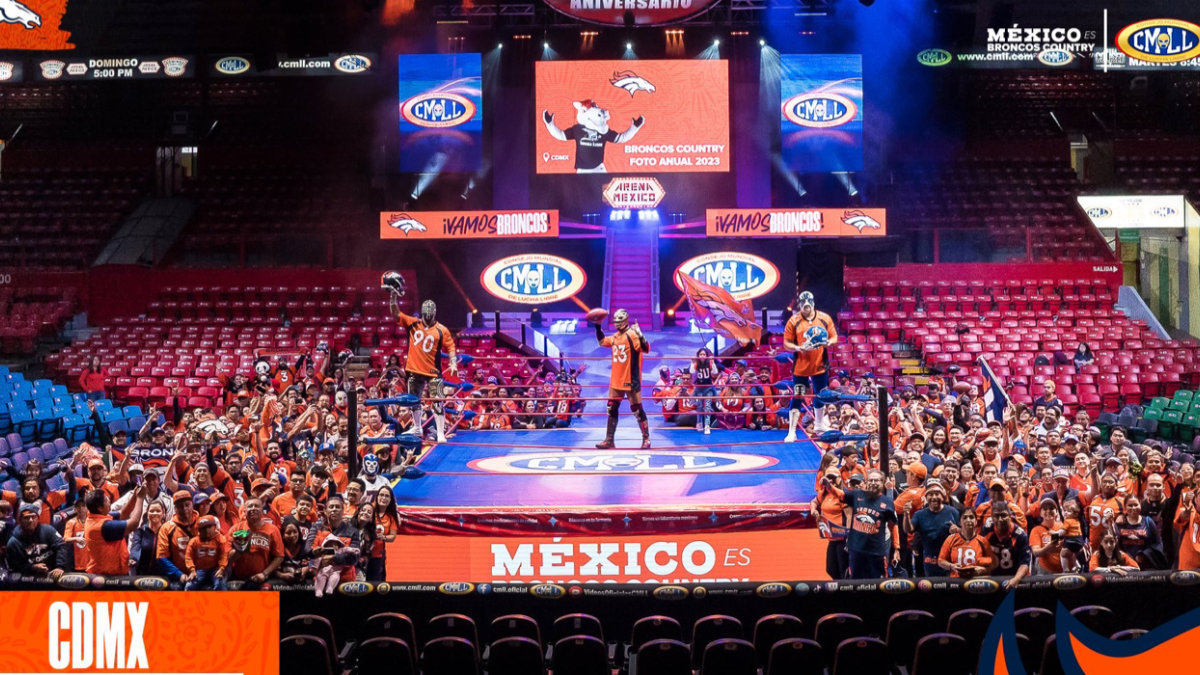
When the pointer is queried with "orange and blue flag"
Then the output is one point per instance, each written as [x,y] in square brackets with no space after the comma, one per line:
[715,308]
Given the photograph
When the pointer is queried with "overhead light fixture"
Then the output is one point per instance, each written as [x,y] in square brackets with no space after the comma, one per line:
[716,43]
[628,45]
[762,43]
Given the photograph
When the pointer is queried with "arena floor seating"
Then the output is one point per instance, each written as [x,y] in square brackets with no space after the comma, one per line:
[985,208]
[1012,322]
[914,642]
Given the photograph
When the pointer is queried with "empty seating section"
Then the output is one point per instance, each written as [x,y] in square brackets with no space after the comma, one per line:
[1018,105]
[29,313]
[1012,322]
[191,336]
[236,206]
[985,208]
[61,218]
[1172,174]
[836,644]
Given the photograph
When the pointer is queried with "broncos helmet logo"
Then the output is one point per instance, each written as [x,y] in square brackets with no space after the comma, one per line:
[406,223]
[631,82]
[12,11]
[860,220]
[814,337]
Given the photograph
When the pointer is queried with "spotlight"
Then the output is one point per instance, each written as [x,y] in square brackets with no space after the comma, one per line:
[716,43]
[545,45]
[500,46]
[628,45]
[669,319]
[762,43]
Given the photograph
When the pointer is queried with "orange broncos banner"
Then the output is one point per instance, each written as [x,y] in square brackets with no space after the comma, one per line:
[468,224]
[796,222]
[1083,652]
[139,632]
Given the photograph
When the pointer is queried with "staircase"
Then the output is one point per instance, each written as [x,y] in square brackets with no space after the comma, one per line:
[631,273]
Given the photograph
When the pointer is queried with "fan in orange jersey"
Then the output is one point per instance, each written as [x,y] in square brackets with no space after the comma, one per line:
[628,344]
[965,552]
[1103,510]
[427,340]
[808,334]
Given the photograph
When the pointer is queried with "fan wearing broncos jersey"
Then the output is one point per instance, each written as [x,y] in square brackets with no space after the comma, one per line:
[628,344]
[808,334]
[427,340]
[1011,555]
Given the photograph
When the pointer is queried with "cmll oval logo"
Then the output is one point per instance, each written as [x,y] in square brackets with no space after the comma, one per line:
[74,581]
[774,590]
[622,461]
[151,583]
[981,586]
[233,65]
[1185,578]
[819,110]
[552,591]
[934,57]
[1160,40]
[353,63]
[897,586]
[355,588]
[533,279]
[1099,212]
[456,588]
[1164,212]
[745,276]
[438,110]
[1055,57]
[670,592]
[1069,582]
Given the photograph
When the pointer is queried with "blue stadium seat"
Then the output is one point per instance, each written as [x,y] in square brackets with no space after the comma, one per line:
[23,424]
[10,485]
[136,423]
[46,424]
[108,415]
[15,443]
[61,448]
[59,390]
[76,429]
[16,377]
[80,401]
[131,411]
[38,452]
[4,371]
[4,449]
[57,482]
[19,460]
[118,425]
[104,404]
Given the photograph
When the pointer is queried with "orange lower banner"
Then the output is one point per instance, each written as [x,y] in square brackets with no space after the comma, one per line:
[796,222]
[699,558]
[139,632]
[468,224]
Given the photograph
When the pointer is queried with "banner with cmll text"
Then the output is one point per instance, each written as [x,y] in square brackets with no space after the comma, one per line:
[139,632]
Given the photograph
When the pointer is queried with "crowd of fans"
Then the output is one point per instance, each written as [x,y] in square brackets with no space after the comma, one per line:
[259,489]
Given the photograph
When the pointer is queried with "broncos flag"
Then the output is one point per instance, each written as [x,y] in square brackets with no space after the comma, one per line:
[713,307]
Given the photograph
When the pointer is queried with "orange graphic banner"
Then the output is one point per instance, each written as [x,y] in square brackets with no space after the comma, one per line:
[706,558]
[468,224]
[796,222]
[33,24]
[139,631]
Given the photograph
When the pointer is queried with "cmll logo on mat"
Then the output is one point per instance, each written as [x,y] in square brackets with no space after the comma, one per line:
[623,462]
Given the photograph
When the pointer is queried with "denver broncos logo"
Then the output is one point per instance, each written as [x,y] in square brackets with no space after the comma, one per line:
[631,82]
[12,11]
[860,220]
[1082,651]
[406,223]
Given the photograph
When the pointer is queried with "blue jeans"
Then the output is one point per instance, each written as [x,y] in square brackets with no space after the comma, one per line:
[206,580]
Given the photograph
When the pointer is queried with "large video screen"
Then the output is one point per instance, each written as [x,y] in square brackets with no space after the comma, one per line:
[441,113]
[821,125]
[632,116]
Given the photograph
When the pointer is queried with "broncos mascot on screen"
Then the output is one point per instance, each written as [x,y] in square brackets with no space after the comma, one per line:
[591,134]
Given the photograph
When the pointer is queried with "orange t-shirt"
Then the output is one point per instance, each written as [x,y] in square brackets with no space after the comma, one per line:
[425,346]
[1101,514]
[960,551]
[811,362]
[74,528]
[1189,544]
[207,555]
[1051,562]
[265,545]
[104,557]
[626,361]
